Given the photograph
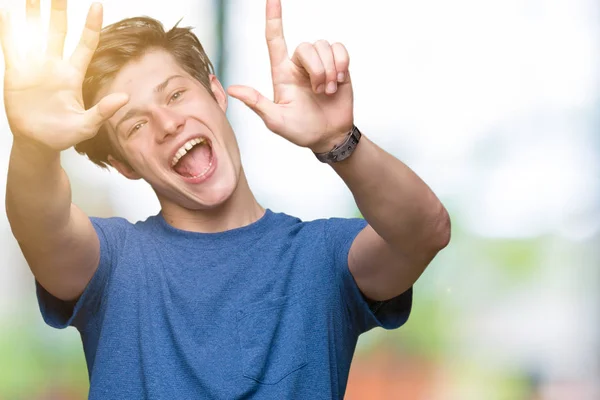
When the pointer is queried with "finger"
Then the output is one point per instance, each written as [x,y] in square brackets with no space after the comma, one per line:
[32,15]
[32,12]
[326,54]
[84,51]
[342,61]
[103,110]
[265,108]
[58,28]
[6,39]
[274,34]
[307,58]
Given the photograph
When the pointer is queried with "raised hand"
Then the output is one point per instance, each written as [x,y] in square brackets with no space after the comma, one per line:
[42,91]
[313,99]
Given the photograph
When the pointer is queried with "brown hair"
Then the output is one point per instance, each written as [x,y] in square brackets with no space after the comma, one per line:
[128,40]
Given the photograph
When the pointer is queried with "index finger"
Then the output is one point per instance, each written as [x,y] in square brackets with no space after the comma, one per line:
[274,33]
[32,12]
[58,27]
[90,37]
[32,15]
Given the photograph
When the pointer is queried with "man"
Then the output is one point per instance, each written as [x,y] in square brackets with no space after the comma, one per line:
[214,297]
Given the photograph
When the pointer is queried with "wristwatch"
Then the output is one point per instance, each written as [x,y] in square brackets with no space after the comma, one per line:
[343,150]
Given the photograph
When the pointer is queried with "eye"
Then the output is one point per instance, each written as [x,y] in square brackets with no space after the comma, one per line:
[176,95]
[135,128]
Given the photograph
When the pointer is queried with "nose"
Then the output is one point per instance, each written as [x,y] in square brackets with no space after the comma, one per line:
[169,121]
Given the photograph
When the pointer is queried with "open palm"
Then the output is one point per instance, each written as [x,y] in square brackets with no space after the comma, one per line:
[43,91]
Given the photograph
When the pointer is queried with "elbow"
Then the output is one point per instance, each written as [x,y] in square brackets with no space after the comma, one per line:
[440,237]
[434,237]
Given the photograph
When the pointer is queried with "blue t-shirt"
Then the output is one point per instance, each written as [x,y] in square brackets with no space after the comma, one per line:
[265,311]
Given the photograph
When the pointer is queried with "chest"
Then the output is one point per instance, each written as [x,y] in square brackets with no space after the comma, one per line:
[247,314]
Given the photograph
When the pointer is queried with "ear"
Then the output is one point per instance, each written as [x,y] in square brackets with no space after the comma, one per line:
[124,168]
[218,92]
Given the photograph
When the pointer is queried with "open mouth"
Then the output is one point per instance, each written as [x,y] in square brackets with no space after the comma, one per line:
[194,159]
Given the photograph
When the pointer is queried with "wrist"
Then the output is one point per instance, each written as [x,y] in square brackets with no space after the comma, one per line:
[26,148]
[342,149]
[330,142]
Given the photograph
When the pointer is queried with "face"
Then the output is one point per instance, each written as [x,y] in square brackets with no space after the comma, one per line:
[174,134]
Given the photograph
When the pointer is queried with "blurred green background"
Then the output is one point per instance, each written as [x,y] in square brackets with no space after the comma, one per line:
[494,103]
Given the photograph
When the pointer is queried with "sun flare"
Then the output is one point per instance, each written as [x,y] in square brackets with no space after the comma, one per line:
[27,38]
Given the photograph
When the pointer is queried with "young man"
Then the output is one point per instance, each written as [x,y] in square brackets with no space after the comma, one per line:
[214,297]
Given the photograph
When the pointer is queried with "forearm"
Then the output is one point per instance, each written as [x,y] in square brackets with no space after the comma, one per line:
[38,194]
[397,204]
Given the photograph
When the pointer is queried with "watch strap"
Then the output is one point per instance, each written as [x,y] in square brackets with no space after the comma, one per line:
[342,150]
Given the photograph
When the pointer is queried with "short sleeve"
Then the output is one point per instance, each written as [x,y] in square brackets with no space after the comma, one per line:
[61,314]
[363,314]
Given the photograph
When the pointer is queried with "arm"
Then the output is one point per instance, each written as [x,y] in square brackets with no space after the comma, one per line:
[407,223]
[56,238]
[313,107]
[45,112]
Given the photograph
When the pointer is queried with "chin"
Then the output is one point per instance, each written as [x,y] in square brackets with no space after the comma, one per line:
[212,203]
[206,199]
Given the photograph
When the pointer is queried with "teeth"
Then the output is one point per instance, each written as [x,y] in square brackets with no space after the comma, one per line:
[203,172]
[184,149]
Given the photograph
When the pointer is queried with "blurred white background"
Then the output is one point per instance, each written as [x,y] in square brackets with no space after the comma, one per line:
[494,103]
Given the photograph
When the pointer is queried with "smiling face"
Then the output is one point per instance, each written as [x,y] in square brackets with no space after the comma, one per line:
[173,133]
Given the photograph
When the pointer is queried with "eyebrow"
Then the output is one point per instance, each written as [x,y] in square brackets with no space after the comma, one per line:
[135,111]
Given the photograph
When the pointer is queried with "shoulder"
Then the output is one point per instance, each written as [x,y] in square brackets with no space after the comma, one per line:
[111,222]
[120,223]
[116,231]
[335,231]
[281,218]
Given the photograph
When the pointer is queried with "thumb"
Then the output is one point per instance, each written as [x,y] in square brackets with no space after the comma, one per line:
[103,110]
[265,108]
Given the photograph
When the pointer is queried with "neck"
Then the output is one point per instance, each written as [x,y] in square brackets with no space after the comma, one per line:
[239,210]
